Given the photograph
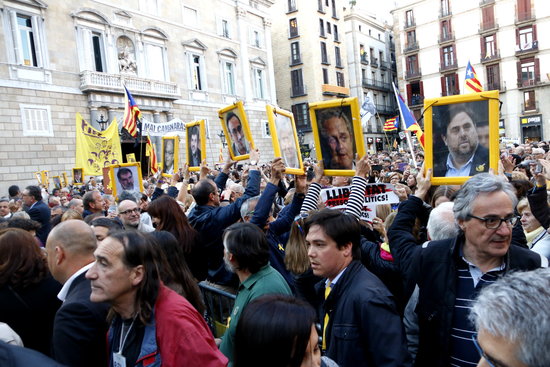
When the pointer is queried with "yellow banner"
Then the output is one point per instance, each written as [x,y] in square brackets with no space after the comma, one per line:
[96,149]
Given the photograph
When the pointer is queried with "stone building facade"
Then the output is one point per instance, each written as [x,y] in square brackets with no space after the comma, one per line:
[180,59]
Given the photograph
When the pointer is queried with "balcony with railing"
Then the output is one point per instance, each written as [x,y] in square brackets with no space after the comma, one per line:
[413,74]
[409,23]
[496,85]
[444,13]
[376,84]
[488,57]
[446,38]
[384,65]
[364,58]
[527,48]
[374,62]
[410,47]
[486,2]
[416,100]
[530,82]
[93,81]
[448,66]
[298,91]
[386,109]
[487,27]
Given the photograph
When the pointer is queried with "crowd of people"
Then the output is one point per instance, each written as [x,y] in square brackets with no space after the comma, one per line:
[449,276]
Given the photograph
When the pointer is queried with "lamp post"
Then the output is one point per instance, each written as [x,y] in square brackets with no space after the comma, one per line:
[221,135]
[102,122]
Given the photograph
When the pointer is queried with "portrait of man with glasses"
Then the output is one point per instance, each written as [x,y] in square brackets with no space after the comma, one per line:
[451,272]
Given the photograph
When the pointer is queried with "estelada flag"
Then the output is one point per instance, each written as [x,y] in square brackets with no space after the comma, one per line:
[408,118]
[471,81]
[150,152]
[391,124]
[131,113]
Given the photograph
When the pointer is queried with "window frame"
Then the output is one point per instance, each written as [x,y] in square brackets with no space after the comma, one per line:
[48,131]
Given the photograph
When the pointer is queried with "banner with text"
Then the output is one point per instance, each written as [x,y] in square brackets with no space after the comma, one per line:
[171,128]
[375,194]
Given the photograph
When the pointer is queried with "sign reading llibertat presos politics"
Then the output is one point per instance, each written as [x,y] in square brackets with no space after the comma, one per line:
[171,128]
[375,194]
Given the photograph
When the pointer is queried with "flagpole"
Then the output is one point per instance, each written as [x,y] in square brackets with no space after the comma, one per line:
[384,131]
[407,132]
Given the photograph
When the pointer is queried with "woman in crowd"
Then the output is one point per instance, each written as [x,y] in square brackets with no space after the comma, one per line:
[538,239]
[28,292]
[277,331]
[168,216]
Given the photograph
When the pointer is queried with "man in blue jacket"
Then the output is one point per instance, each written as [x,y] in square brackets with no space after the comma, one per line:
[37,210]
[210,219]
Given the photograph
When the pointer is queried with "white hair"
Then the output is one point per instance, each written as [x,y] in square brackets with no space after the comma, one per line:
[441,223]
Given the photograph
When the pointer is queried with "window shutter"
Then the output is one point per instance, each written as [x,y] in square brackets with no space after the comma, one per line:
[517,39]
[537,71]
[443,87]
[16,38]
[35,22]
[409,94]
[483,48]
[519,72]
[422,88]
[457,86]
[534,32]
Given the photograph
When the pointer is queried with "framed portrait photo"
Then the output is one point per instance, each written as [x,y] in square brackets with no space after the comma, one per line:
[170,154]
[237,131]
[45,178]
[78,176]
[338,135]
[56,182]
[195,144]
[38,176]
[285,139]
[461,136]
[64,179]
[126,177]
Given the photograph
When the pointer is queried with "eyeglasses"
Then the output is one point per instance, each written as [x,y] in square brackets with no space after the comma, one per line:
[490,361]
[494,222]
[130,211]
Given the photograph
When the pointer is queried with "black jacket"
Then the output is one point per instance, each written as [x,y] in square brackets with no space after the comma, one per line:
[80,328]
[41,213]
[13,356]
[364,327]
[480,163]
[434,268]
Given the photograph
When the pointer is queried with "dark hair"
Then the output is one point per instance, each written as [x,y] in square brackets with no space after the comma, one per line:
[13,190]
[173,268]
[87,199]
[111,224]
[173,219]
[449,113]
[248,244]
[123,171]
[21,260]
[194,130]
[139,250]
[229,116]
[273,331]
[201,191]
[342,228]
[35,192]
[24,224]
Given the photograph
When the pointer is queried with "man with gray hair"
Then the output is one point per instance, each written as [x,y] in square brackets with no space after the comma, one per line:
[450,272]
[511,319]
[441,223]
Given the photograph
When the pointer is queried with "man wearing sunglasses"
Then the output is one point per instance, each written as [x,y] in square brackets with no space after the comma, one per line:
[451,272]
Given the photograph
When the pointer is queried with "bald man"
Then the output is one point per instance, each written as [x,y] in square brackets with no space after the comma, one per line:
[80,325]
[130,215]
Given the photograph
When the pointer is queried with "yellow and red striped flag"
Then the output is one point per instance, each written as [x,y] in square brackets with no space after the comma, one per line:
[150,152]
[391,124]
[131,113]
[471,81]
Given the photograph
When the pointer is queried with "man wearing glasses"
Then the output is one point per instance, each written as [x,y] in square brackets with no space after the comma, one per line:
[129,215]
[451,272]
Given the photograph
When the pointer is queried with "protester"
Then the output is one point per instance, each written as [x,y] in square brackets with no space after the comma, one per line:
[38,211]
[129,215]
[103,226]
[93,203]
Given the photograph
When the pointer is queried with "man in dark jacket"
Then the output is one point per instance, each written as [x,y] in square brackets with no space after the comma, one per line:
[80,325]
[449,273]
[38,211]
[210,219]
[361,325]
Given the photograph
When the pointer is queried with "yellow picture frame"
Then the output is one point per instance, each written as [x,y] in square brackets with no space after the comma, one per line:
[169,171]
[228,113]
[65,179]
[115,176]
[56,182]
[482,107]
[194,163]
[38,176]
[130,158]
[45,178]
[78,172]
[345,110]
[285,139]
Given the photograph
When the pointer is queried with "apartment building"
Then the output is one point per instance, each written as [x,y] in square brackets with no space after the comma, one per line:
[372,69]
[309,57]
[179,58]
[502,39]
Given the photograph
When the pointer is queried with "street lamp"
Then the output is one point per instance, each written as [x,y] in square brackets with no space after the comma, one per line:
[221,135]
[102,122]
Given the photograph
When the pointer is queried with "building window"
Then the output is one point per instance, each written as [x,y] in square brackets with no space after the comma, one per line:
[329,28]
[445,30]
[488,17]
[529,103]
[336,37]
[490,46]
[321,28]
[409,18]
[293,27]
[363,54]
[340,79]
[449,85]
[26,39]
[191,17]
[525,38]
[301,116]
[320,6]
[412,64]
[325,76]
[259,83]
[445,8]
[265,129]
[229,77]
[527,68]
[334,15]
[155,62]
[37,120]
[97,45]
[291,5]
[196,72]
[324,56]
[295,57]
[256,38]
[448,56]
[337,57]
[523,9]
[27,42]
[224,28]
[493,77]
[297,81]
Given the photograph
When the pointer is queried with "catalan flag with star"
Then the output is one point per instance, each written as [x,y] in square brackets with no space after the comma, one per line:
[471,81]
[391,124]
[150,152]
[131,113]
